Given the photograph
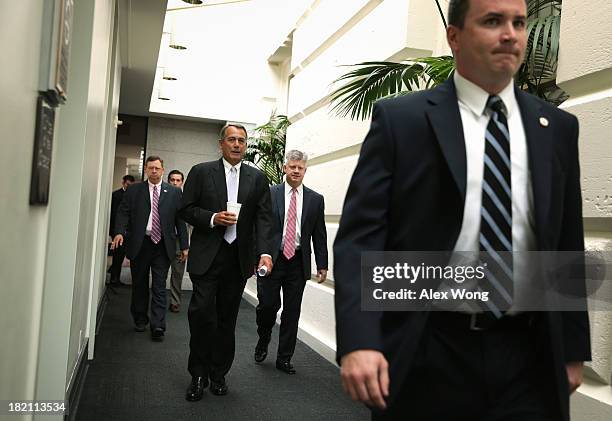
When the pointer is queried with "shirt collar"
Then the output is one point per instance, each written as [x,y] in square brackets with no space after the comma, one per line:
[158,184]
[228,166]
[288,189]
[475,98]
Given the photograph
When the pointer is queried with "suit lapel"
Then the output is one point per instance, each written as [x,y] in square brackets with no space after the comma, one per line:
[218,177]
[540,151]
[163,192]
[146,194]
[445,120]
[305,204]
[244,184]
[279,192]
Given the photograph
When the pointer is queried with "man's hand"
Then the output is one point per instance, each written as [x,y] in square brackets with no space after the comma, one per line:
[225,218]
[117,242]
[365,376]
[574,374]
[321,275]
[267,261]
[183,256]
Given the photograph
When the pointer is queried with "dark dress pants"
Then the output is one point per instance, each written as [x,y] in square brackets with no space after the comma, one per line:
[501,374]
[212,314]
[287,275]
[118,257]
[152,257]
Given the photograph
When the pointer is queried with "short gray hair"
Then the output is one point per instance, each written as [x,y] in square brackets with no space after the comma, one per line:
[295,155]
[236,125]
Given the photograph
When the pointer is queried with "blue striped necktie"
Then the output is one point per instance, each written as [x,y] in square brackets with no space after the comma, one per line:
[496,211]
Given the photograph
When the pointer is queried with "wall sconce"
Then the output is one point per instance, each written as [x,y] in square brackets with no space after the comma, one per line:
[168,73]
[176,42]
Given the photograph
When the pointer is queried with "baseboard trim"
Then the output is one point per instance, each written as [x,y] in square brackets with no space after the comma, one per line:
[75,388]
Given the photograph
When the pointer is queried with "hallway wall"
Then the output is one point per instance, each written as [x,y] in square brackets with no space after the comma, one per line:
[585,72]
[24,227]
[53,257]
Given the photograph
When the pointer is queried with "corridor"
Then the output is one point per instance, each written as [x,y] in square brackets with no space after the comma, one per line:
[133,378]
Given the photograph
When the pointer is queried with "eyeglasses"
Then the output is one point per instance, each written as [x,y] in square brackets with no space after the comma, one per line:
[233,139]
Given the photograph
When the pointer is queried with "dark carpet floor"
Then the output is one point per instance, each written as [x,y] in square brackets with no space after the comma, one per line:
[133,378]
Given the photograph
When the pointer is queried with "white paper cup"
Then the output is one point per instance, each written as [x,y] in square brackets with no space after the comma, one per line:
[234,207]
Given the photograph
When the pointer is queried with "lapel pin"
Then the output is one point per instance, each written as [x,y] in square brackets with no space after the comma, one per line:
[165,191]
[543,122]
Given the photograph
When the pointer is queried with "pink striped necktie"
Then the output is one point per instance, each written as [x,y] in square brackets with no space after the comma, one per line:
[155,225]
[289,247]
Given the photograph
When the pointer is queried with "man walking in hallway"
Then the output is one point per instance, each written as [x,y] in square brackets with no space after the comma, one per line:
[119,252]
[177,266]
[298,217]
[472,165]
[228,204]
[148,222]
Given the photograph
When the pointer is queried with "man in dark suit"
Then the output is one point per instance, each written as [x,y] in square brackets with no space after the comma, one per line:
[228,204]
[177,265]
[119,252]
[475,164]
[148,222]
[299,216]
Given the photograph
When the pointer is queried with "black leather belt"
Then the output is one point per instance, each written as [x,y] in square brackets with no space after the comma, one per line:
[482,321]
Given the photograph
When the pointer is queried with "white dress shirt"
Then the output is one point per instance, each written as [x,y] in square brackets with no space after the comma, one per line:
[150,221]
[475,118]
[299,201]
[228,167]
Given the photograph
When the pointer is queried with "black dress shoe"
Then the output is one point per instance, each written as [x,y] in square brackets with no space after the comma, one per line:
[218,388]
[285,365]
[196,389]
[140,327]
[260,354]
[157,334]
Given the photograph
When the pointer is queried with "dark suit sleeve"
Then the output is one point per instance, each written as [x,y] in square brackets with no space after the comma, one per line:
[181,227]
[319,237]
[190,211]
[122,219]
[576,337]
[263,217]
[363,227]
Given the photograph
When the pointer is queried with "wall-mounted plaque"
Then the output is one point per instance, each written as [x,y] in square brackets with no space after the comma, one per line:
[55,51]
[43,147]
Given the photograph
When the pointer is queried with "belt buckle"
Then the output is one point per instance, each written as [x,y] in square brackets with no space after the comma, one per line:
[474,322]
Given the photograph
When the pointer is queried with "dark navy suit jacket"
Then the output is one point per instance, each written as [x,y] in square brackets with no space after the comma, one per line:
[408,192]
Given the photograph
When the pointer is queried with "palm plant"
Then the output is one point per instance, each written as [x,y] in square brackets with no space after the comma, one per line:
[267,149]
[371,81]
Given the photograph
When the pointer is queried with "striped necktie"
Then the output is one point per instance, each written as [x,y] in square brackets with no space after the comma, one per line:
[496,212]
[155,224]
[290,232]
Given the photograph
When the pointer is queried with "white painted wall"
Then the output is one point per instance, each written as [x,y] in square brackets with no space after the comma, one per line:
[585,72]
[24,228]
[47,284]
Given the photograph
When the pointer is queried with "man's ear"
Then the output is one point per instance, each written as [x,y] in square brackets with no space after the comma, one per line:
[452,37]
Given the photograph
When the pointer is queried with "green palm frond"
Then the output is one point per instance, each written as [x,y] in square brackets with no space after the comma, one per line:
[375,80]
[267,149]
